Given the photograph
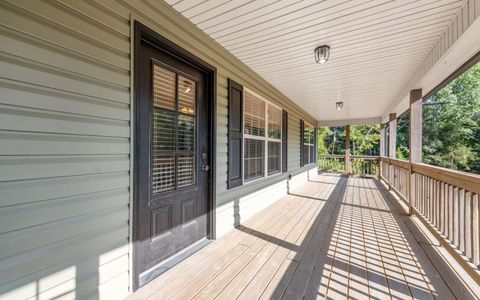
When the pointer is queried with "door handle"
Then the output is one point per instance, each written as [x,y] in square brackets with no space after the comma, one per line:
[205,167]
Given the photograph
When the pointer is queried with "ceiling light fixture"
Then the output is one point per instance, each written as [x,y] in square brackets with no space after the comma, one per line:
[322,53]
[339,105]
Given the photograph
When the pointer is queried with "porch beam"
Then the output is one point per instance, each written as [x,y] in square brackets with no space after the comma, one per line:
[348,170]
[415,140]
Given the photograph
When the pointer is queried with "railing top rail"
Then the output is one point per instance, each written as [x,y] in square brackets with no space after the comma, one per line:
[351,156]
[464,180]
[396,162]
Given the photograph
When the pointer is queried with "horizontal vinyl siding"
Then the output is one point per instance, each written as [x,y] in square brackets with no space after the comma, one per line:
[64,151]
[65,142]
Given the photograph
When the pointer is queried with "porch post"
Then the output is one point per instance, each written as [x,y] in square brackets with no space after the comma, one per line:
[348,169]
[392,143]
[415,140]
[382,139]
[382,149]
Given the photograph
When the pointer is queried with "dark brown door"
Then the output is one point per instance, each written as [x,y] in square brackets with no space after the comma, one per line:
[171,155]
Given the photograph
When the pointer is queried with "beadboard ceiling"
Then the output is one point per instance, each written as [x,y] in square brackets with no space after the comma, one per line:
[376,46]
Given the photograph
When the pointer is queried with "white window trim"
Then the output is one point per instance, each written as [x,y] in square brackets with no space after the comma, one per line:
[308,144]
[265,139]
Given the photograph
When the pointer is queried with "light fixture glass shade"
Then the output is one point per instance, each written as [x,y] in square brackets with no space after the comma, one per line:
[322,53]
[339,105]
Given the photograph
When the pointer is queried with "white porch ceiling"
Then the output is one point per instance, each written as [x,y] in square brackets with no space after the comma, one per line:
[376,46]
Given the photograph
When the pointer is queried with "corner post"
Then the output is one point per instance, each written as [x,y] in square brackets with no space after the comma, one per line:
[348,169]
[382,150]
[415,141]
[392,145]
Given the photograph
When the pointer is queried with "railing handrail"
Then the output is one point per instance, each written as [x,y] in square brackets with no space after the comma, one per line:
[404,164]
[440,197]
[373,157]
[464,180]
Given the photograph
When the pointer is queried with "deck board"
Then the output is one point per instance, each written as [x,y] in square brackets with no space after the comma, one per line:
[334,237]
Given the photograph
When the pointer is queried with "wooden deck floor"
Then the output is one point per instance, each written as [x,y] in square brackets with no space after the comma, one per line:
[333,238]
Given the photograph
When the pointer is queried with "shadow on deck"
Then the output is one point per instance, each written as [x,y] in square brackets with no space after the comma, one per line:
[334,237]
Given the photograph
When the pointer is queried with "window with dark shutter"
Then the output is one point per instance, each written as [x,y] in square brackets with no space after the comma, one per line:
[235,134]
[308,143]
[284,140]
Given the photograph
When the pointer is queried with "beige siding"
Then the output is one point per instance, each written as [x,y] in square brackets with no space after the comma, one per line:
[65,124]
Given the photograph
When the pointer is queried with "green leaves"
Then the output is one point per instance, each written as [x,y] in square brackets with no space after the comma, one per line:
[451,128]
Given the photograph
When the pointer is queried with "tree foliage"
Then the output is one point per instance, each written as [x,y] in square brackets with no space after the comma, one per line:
[403,150]
[364,140]
[451,129]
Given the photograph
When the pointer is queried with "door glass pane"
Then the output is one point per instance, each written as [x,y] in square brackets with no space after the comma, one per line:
[186,167]
[173,137]
[186,132]
[163,88]
[254,159]
[186,95]
[163,173]
[163,130]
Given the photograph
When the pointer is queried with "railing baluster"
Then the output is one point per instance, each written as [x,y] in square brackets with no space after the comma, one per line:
[458,217]
[446,201]
[472,251]
[442,211]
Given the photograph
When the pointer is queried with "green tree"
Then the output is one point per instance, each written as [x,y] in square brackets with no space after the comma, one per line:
[323,132]
[451,129]
[403,147]
[365,139]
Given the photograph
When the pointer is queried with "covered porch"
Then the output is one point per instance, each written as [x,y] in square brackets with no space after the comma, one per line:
[157,149]
[334,237]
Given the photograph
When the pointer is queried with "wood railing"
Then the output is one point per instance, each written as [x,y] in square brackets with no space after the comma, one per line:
[447,203]
[396,173]
[359,165]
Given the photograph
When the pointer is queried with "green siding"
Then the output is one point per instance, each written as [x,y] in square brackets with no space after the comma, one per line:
[65,141]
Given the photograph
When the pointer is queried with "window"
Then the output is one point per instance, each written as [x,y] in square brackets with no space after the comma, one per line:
[262,131]
[308,144]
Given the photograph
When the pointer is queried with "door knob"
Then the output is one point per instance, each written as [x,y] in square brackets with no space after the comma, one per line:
[205,167]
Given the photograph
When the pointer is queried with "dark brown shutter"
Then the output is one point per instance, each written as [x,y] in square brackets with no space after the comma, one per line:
[235,134]
[284,140]
[302,156]
[315,150]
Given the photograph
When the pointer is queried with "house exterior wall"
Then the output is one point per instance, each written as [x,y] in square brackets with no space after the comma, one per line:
[65,142]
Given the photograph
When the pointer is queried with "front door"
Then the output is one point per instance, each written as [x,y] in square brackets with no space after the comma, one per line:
[171,162]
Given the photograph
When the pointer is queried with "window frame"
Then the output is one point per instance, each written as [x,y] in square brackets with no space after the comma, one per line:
[264,138]
[307,159]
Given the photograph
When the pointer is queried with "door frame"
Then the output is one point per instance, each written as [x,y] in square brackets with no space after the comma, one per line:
[142,32]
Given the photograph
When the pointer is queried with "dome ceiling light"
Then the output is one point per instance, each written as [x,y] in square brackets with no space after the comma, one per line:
[322,53]
[339,105]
